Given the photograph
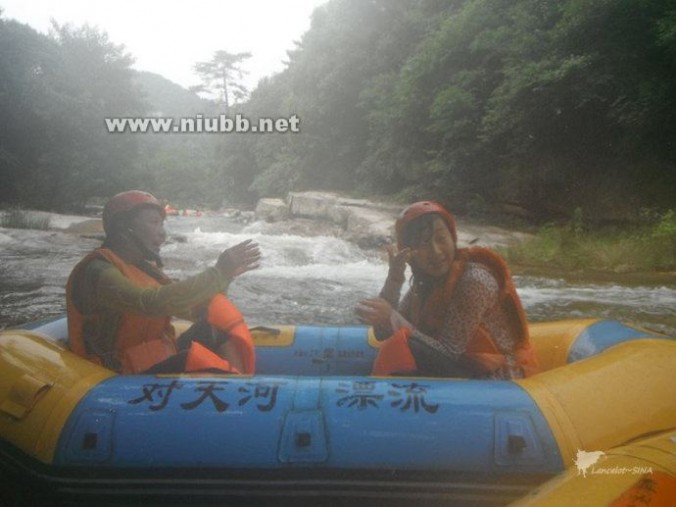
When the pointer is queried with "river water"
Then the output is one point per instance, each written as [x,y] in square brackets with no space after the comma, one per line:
[303,279]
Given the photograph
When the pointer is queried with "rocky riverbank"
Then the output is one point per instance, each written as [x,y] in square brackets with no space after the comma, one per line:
[368,224]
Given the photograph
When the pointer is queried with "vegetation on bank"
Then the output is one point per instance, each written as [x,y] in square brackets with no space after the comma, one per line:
[576,246]
[20,219]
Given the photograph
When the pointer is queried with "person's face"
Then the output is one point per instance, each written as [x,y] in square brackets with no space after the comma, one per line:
[148,227]
[436,250]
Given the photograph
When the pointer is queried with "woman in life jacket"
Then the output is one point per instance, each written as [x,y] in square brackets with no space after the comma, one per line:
[461,316]
[120,302]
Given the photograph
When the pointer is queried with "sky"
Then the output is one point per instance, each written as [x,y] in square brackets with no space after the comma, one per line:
[168,37]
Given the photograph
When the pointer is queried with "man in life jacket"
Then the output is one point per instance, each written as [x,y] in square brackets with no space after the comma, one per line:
[120,302]
[461,316]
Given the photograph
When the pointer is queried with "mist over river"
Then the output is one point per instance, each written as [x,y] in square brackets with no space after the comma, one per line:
[303,279]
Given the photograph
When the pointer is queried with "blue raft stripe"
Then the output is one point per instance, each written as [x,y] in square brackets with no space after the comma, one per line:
[276,422]
[319,351]
[604,334]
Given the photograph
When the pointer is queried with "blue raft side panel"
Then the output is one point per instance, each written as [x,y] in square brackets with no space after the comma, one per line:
[276,422]
[320,351]
[604,334]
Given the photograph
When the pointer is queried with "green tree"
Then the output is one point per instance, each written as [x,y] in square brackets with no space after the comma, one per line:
[54,94]
[585,113]
[25,60]
[94,81]
[223,74]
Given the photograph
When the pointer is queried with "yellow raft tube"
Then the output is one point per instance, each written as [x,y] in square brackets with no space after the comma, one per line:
[599,409]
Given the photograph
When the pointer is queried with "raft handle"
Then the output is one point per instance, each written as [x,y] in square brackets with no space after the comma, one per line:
[23,395]
[268,330]
[516,444]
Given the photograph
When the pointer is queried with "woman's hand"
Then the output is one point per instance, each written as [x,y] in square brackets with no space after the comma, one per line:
[239,259]
[374,312]
[397,261]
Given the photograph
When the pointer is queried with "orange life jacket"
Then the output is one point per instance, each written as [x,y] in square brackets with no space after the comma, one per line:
[225,316]
[481,348]
[142,340]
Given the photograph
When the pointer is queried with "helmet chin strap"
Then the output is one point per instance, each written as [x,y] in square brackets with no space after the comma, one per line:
[147,253]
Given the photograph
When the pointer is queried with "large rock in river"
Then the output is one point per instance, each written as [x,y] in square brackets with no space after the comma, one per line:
[366,223]
[272,210]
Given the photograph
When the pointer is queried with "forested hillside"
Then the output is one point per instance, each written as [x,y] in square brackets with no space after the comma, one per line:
[54,93]
[546,105]
[550,105]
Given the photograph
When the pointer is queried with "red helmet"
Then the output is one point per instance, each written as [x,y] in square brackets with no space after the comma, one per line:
[125,202]
[418,209]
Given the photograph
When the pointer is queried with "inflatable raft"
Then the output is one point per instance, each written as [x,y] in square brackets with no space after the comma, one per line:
[313,422]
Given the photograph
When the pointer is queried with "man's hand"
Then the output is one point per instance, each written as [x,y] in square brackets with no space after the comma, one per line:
[239,259]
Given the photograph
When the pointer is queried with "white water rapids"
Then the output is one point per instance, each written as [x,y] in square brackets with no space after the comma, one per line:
[302,280]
